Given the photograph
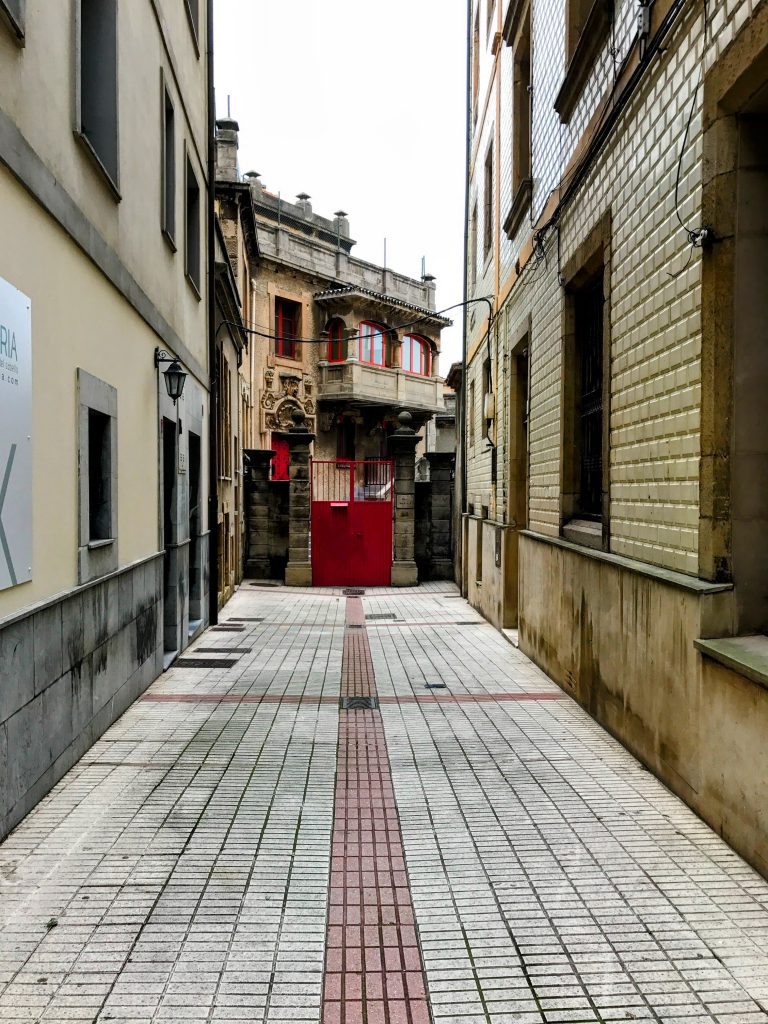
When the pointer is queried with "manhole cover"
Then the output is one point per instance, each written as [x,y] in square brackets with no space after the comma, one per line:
[353,592]
[436,686]
[359,703]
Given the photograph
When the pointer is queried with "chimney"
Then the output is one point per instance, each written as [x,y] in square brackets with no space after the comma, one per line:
[304,204]
[252,178]
[341,224]
[226,149]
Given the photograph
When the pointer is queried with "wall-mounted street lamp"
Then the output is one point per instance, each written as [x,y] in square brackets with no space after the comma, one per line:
[174,375]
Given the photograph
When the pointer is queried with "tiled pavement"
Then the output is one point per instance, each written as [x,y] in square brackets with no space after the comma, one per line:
[182,870]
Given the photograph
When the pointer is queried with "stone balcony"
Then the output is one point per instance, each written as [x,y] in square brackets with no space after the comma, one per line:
[365,384]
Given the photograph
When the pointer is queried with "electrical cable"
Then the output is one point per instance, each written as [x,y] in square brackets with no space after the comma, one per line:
[324,341]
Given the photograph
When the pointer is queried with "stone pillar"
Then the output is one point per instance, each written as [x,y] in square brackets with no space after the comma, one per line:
[257,462]
[402,450]
[441,466]
[298,571]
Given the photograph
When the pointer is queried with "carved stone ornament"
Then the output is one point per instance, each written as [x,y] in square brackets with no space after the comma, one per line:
[283,413]
[269,376]
[290,386]
[308,385]
[268,400]
[309,407]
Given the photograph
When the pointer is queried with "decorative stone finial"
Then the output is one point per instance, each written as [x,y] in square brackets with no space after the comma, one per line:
[405,419]
[299,421]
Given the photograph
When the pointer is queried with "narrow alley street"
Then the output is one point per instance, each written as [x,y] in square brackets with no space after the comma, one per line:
[370,809]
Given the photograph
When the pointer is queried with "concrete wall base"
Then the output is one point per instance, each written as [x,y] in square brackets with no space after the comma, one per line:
[404,574]
[622,644]
[70,668]
[298,574]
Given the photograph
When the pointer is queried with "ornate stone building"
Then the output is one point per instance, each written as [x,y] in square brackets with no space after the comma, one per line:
[345,341]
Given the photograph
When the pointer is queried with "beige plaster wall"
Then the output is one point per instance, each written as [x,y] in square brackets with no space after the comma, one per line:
[37,91]
[78,320]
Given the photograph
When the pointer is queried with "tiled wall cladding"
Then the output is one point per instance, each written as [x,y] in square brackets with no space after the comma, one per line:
[655,301]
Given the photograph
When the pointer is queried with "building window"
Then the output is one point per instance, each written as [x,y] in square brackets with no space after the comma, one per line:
[587,31]
[287,321]
[345,439]
[97,83]
[471,412]
[416,355]
[476,62]
[521,108]
[337,349]
[374,344]
[193,13]
[473,249]
[588,324]
[193,228]
[97,477]
[13,11]
[488,203]
[224,425]
[169,168]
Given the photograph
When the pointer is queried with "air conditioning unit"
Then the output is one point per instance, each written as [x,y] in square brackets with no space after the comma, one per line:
[489,406]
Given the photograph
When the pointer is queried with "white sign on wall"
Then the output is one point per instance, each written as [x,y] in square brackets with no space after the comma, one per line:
[15,437]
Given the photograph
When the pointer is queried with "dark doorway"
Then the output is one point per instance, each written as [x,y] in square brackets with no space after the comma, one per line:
[195,588]
[170,574]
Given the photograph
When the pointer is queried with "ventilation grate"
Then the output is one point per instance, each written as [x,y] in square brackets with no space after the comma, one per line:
[359,703]
[353,591]
[204,662]
[436,686]
[382,616]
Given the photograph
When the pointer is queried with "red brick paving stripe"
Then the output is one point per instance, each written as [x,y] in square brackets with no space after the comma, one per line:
[373,968]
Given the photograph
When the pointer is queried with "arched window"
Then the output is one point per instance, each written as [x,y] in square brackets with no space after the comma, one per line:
[337,350]
[374,344]
[416,355]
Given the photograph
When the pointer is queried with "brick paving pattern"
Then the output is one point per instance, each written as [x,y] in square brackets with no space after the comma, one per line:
[182,871]
[374,973]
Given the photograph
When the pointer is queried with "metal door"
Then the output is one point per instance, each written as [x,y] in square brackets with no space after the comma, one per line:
[351,523]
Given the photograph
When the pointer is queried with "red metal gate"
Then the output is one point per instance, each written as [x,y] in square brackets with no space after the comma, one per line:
[352,523]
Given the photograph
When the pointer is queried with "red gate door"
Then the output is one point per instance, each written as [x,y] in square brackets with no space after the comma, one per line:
[352,523]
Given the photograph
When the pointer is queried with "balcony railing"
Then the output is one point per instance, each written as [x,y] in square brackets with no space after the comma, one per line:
[367,384]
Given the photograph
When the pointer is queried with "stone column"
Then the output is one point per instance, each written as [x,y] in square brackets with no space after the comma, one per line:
[257,462]
[298,571]
[402,450]
[441,481]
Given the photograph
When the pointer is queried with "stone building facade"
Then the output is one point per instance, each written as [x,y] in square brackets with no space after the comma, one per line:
[103,571]
[346,343]
[615,455]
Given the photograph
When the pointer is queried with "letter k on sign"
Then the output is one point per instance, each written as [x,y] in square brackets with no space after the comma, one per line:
[3,491]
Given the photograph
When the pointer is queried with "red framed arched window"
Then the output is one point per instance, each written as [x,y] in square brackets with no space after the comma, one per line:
[416,355]
[336,347]
[374,344]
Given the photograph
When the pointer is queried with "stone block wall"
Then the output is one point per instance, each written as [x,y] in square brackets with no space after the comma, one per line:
[68,669]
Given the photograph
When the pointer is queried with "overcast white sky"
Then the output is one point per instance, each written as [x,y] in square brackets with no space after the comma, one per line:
[362,105]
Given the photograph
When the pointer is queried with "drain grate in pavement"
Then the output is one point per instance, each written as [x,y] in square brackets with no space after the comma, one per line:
[222,650]
[359,703]
[242,618]
[353,591]
[205,662]
[382,616]
[227,629]
[436,686]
